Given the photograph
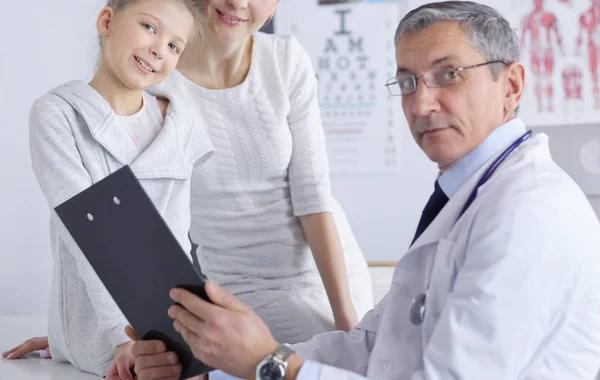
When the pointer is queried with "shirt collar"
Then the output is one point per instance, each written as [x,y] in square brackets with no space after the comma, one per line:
[501,138]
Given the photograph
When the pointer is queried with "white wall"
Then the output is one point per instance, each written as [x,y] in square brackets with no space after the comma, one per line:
[384,209]
[43,47]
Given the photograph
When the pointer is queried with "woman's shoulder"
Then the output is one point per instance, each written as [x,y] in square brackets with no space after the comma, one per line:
[174,84]
[173,91]
[284,44]
[284,50]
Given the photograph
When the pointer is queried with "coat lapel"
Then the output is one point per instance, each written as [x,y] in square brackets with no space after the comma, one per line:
[164,158]
[444,222]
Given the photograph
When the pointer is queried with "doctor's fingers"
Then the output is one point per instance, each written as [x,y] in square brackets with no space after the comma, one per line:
[30,345]
[190,337]
[172,372]
[156,360]
[222,297]
[159,366]
[148,347]
[199,346]
[194,304]
[186,318]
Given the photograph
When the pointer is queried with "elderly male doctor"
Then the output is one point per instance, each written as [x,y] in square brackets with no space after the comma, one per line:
[502,280]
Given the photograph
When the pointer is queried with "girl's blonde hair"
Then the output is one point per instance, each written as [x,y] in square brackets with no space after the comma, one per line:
[196,7]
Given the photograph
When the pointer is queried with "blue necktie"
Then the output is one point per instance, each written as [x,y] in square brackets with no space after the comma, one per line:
[436,203]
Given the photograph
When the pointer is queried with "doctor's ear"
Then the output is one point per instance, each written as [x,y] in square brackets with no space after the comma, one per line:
[103,23]
[515,82]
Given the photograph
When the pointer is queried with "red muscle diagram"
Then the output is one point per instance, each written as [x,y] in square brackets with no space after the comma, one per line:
[589,29]
[572,83]
[544,38]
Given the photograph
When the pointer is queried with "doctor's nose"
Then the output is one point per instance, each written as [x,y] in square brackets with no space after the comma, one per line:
[424,99]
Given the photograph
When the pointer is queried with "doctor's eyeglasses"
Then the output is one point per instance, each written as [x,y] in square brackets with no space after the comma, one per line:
[407,84]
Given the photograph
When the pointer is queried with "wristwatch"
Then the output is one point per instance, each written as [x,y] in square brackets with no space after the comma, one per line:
[273,367]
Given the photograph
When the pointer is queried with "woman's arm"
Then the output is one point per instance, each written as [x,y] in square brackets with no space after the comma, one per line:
[322,235]
[310,184]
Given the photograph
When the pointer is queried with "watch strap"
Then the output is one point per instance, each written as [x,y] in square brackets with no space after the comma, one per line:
[283,353]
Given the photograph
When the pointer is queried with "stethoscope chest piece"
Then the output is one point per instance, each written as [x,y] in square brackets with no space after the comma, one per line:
[417,310]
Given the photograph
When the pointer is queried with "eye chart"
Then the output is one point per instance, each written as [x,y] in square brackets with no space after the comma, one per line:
[352,51]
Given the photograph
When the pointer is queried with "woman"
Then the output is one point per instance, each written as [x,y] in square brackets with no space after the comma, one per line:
[262,211]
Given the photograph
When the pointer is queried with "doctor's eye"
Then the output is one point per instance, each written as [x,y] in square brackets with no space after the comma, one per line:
[447,77]
[407,83]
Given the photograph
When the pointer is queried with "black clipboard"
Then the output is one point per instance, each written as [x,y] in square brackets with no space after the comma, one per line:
[137,257]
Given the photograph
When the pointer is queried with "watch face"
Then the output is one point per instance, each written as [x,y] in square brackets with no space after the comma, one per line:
[271,371]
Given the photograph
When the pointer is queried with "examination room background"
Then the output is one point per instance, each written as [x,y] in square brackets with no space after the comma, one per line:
[46,43]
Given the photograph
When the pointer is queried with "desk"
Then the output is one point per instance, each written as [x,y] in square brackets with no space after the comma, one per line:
[15,330]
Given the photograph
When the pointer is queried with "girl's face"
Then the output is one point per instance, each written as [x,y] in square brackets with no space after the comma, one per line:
[235,20]
[143,42]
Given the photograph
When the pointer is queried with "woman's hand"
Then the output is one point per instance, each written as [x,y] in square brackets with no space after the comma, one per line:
[347,321]
[322,236]
[31,345]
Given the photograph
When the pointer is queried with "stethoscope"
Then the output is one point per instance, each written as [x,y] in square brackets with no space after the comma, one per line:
[417,307]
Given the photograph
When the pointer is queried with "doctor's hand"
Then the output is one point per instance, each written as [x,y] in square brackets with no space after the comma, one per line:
[122,364]
[31,345]
[226,335]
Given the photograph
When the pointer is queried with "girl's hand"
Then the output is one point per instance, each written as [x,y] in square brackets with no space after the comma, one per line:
[31,345]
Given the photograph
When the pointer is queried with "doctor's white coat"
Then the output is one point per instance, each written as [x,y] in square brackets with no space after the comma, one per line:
[513,288]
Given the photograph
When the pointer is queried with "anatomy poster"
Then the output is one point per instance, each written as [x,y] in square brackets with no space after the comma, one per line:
[352,51]
[560,48]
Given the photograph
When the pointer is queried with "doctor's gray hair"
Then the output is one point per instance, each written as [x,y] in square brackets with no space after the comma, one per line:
[487,30]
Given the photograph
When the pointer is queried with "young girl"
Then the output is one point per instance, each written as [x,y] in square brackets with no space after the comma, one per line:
[81,132]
